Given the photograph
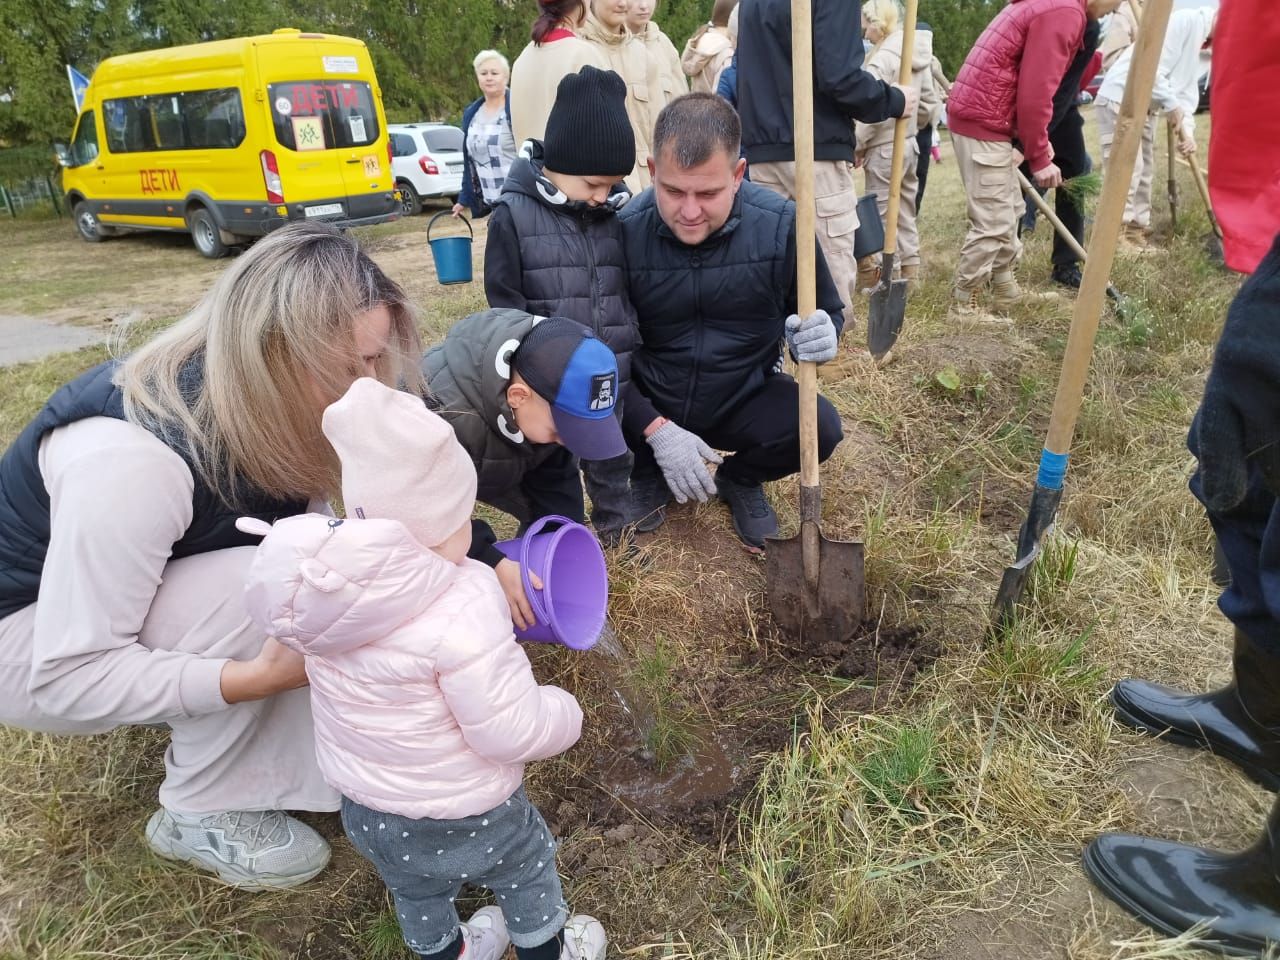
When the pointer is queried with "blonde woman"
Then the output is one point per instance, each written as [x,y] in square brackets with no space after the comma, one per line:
[488,141]
[122,573]
[882,26]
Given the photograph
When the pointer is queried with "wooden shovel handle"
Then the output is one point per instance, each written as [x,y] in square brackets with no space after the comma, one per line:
[806,287]
[1203,186]
[1052,217]
[900,132]
[1106,228]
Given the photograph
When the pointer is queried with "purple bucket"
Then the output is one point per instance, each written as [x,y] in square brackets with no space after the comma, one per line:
[573,602]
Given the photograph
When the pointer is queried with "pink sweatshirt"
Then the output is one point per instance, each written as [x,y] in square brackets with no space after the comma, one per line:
[424,703]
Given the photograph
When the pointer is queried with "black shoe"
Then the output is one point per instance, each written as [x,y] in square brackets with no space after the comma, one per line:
[1173,887]
[1240,722]
[649,498]
[1068,276]
[753,517]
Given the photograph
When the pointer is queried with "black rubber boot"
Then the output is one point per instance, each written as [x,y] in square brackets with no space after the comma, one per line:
[649,498]
[1240,722]
[1172,887]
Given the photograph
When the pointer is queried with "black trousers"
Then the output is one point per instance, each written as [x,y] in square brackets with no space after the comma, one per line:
[763,433]
[925,140]
[1072,158]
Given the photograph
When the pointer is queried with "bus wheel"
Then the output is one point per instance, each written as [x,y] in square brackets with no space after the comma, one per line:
[91,229]
[205,234]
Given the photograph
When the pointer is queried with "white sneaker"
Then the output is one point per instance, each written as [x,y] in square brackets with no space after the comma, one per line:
[584,939]
[254,850]
[485,935]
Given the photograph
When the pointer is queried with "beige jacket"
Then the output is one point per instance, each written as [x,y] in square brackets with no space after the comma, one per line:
[1122,29]
[626,55]
[535,76]
[705,59]
[883,64]
[663,50]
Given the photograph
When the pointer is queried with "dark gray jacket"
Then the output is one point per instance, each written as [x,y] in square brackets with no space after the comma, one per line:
[555,257]
[467,378]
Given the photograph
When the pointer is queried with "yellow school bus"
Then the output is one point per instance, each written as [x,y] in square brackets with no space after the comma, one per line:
[231,139]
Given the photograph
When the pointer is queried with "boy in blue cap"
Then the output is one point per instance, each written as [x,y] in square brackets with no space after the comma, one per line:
[527,397]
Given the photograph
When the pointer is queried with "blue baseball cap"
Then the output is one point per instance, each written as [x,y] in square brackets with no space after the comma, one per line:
[569,367]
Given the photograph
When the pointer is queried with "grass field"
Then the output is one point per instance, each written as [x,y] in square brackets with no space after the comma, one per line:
[924,791]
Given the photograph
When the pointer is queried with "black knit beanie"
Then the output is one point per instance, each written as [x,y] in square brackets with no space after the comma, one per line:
[588,133]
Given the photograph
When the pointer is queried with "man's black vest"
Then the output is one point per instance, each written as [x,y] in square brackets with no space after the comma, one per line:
[24,501]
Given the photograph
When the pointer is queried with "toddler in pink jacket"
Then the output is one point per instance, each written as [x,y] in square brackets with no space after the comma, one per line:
[425,706]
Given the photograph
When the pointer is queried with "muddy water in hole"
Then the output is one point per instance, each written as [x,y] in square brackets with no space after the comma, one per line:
[631,773]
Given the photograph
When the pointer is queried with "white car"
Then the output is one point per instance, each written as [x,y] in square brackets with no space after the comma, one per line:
[426,159]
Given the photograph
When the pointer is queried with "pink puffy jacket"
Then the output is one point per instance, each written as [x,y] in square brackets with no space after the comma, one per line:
[424,703]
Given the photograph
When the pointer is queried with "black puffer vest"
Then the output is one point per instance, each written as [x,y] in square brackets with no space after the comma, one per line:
[24,502]
[467,378]
[571,260]
[711,316]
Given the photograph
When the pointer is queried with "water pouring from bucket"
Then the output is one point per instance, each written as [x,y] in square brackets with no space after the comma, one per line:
[573,603]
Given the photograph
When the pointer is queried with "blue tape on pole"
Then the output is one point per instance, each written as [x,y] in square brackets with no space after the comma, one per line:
[1053,469]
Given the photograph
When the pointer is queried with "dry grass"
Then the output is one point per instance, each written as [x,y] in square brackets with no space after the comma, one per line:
[947,826]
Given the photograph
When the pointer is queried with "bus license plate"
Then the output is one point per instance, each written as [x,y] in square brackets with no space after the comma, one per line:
[324,210]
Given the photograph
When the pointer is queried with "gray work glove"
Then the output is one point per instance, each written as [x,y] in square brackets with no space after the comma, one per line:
[681,456]
[813,339]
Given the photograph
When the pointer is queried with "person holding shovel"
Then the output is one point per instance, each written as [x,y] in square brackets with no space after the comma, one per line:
[882,25]
[1066,136]
[843,93]
[999,111]
[1175,94]
[711,260]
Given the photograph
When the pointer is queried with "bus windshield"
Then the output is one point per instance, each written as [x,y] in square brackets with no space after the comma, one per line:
[323,114]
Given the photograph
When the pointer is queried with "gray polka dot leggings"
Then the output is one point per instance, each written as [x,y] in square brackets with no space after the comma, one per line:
[425,863]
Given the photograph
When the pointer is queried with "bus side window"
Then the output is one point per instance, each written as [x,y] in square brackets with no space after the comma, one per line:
[84,147]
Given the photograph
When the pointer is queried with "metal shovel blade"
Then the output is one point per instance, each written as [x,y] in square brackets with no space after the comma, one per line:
[836,611]
[1039,521]
[885,315]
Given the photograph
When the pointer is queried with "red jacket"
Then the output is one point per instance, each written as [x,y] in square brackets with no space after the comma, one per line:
[1005,89]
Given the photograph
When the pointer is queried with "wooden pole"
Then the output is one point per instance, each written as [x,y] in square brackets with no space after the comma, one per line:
[1106,227]
[806,288]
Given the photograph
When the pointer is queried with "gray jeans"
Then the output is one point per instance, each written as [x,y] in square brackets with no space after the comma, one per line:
[425,863]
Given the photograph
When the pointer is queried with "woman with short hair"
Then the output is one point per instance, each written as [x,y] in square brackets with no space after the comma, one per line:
[122,572]
[488,142]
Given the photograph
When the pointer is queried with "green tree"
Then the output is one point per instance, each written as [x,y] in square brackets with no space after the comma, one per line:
[956,25]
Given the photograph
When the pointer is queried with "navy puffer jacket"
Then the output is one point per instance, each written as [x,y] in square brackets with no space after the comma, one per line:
[554,257]
[712,316]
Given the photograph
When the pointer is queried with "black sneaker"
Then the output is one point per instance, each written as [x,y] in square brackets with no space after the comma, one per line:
[649,498]
[753,517]
[1068,276]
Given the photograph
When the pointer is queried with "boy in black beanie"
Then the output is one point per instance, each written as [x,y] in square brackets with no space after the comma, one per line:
[555,248]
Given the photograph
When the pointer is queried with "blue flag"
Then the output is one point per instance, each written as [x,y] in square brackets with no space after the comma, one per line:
[79,84]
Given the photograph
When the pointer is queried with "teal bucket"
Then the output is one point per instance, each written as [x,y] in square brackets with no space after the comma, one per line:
[452,255]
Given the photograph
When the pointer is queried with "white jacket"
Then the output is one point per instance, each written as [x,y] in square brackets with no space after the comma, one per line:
[1179,71]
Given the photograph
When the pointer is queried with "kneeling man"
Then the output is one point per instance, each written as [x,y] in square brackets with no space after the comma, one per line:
[712,276]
